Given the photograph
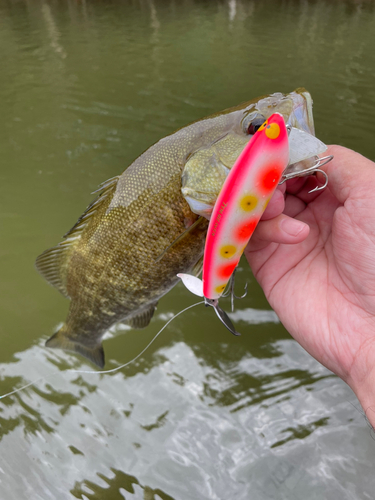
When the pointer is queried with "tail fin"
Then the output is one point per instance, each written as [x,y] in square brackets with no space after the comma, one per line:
[60,340]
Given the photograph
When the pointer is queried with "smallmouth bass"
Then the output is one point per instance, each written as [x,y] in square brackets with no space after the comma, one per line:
[150,223]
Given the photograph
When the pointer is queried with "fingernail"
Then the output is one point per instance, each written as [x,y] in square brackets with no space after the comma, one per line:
[292,226]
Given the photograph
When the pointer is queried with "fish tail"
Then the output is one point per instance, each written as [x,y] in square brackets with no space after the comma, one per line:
[61,340]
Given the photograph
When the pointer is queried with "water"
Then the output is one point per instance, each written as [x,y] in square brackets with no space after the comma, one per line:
[84,89]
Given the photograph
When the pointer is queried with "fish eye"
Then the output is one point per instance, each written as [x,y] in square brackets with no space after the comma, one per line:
[255,124]
[252,122]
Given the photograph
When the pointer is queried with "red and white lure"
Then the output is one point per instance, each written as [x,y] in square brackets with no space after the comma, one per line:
[242,200]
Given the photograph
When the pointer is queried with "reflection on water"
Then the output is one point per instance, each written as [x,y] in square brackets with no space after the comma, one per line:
[116,487]
[85,88]
[211,415]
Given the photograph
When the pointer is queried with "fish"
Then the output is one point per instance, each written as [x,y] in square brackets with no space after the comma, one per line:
[149,223]
[242,200]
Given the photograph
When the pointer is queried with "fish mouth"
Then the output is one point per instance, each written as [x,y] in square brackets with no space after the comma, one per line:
[301,116]
[304,148]
[296,108]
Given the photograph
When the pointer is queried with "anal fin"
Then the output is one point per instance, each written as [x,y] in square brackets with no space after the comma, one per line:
[142,319]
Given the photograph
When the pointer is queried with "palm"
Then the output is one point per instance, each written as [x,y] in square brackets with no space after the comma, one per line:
[323,289]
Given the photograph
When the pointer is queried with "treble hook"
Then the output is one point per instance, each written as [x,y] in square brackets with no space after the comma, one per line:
[319,188]
[230,290]
[316,167]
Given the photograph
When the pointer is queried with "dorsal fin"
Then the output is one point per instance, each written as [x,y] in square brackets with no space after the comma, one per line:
[53,263]
[50,264]
[105,189]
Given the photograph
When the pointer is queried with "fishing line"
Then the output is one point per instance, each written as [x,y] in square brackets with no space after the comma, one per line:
[113,369]
[145,349]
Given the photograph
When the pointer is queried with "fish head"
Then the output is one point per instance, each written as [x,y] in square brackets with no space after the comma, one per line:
[227,134]
[295,107]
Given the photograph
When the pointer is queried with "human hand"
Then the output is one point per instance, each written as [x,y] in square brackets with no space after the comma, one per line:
[317,270]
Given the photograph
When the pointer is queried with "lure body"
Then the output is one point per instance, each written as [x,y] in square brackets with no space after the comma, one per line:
[242,201]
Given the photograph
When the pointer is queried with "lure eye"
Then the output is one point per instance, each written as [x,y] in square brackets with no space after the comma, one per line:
[255,125]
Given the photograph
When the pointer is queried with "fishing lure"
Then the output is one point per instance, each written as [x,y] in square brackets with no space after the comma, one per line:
[243,199]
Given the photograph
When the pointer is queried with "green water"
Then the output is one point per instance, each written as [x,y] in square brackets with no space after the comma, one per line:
[85,87]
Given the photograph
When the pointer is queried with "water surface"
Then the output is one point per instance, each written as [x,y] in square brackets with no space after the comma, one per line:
[85,87]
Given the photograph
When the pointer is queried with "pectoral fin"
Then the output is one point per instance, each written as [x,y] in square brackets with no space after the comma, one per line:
[197,269]
[94,354]
[180,238]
